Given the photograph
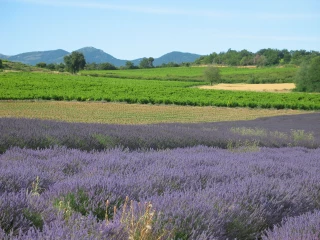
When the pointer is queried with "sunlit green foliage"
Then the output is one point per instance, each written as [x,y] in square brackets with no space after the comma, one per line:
[74,62]
[212,75]
[81,88]
[308,76]
[228,74]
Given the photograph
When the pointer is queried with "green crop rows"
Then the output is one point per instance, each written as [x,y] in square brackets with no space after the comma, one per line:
[67,87]
[228,74]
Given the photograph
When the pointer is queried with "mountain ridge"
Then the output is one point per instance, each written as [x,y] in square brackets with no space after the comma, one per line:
[3,56]
[92,54]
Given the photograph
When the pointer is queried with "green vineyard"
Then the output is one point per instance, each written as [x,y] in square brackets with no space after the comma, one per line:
[85,88]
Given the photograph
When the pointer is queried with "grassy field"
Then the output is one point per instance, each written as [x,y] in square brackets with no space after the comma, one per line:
[83,88]
[120,113]
[229,74]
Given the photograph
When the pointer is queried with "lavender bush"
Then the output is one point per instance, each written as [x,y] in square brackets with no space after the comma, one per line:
[301,130]
[304,227]
[198,193]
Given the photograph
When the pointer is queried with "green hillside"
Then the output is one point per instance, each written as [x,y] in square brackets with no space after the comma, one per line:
[18,66]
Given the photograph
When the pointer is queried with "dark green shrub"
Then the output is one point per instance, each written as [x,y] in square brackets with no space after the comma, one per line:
[308,76]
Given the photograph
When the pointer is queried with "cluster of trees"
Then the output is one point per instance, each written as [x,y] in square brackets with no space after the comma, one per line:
[308,76]
[172,64]
[129,65]
[146,62]
[100,66]
[52,66]
[72,63]
[1,64]
[76,61]
[263,57]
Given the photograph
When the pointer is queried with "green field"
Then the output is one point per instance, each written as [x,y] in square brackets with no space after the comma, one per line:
[228,74]
[21,85]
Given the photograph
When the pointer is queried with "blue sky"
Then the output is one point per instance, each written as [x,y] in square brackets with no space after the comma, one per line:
[134,29]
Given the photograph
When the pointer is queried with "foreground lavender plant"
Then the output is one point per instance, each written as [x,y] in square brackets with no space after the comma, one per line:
[199,192]
[304,227]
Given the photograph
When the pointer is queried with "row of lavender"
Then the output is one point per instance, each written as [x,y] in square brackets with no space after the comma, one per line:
[197,193]
[300,130]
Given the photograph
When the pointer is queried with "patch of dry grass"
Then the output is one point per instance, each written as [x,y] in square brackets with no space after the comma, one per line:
[274,87]
[138,223]
[121,113]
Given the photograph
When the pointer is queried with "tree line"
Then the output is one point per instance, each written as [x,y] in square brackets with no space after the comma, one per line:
[307,78]
[263,57]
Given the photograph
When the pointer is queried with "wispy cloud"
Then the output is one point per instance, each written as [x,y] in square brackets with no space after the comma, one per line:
[271,38]
[166,10]
[99,5]
[286,16]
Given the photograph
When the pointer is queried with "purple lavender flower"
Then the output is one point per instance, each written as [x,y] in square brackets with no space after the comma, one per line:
[199,192]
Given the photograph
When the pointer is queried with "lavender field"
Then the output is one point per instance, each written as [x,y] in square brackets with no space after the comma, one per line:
[297,130]
[197,193]
[228,180]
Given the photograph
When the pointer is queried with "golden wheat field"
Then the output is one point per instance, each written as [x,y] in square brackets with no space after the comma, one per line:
[121,113]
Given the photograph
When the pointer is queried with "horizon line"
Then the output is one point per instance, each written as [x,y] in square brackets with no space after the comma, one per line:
[311,50]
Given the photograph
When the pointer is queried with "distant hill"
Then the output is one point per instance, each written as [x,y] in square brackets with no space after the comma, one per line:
[3,56]
[176,57]
[32,58]
[92,54]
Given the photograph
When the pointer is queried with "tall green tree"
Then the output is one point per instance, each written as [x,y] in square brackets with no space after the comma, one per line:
[74,62]
[1,66]
[272,56]
[285,56]
[232,57]
[246,60]
[260,60]
[146,62]
[212,75]
[150,61]
[308,76]
[129,65]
